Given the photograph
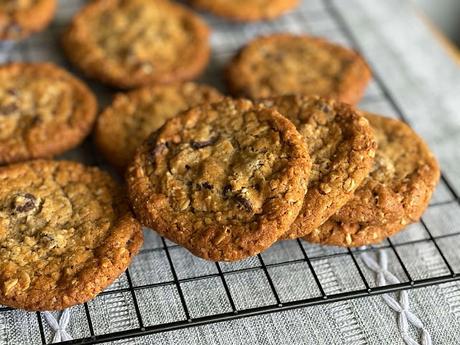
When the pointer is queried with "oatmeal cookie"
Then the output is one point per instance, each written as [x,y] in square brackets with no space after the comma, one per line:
[395,194]
[66,232]
[44,111]
[246,10]
[283,64]
[131,43]
[341,145]
[225,180]
[20,18]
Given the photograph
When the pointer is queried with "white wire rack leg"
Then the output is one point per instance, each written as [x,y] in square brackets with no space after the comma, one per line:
[59,328]
[402,307]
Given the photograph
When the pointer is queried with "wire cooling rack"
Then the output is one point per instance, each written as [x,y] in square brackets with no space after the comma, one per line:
[166,288]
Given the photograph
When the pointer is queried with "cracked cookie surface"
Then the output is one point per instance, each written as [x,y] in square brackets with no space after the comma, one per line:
[133,116]
[394,195]
[246,10]
[341,145]
[66,232]
[44,111]
[20,18]
[283,64]
[224,180]
[131,43]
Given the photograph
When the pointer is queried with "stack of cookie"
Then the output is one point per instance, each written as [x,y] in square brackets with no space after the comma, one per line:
[228,179]
[223,177]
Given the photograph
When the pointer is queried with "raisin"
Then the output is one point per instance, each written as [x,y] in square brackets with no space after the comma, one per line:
[207,185]
[8,109]
[12,92]
[201,144]
[158,149]
[325,108]
[227,190]
[24,203]
[243,202]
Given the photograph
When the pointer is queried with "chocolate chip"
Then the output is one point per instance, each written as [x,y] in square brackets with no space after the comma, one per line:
[8,109]
[36,120]
[325,108]
[227,190]
[200,144]
[24,203]
[158,149]
[12,92]
[243,202]
[207,185]
[151,140]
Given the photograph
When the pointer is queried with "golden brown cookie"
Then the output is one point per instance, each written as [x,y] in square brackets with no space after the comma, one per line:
[131,43]
[66,232]
[21,18]
[395,194]
[225,180]
[341,145]
[283,64]
[44,111]
[133,116]
[246,10]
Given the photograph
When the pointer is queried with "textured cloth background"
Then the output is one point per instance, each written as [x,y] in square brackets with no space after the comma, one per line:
[425,85]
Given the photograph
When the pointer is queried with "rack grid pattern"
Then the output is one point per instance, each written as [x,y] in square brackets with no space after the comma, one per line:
[166,288]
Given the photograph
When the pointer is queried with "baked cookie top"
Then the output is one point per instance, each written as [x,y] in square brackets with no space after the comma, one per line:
[44,111]
[132,43]
[396,193]
[20,18]
[246,10]
[224,180]
[66,232]
[283,64]
[341,145]
[133,116]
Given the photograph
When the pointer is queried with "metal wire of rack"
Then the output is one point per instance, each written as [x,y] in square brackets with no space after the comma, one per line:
[175,270]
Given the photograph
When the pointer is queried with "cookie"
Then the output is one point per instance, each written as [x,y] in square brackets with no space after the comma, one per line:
[19,19]
[131,43]
[246,10]
[44,111]
[283,64]
[66,233]
[341,145]
[224,180]
[395,194]
[133,116]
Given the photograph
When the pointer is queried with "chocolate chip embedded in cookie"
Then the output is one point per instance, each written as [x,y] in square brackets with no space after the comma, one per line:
[395,194]
[283,64]
[19,19]
[224,180]
[246,10]
[44,111]
[66,232]
[131,43]
[133,116]
[341,145]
